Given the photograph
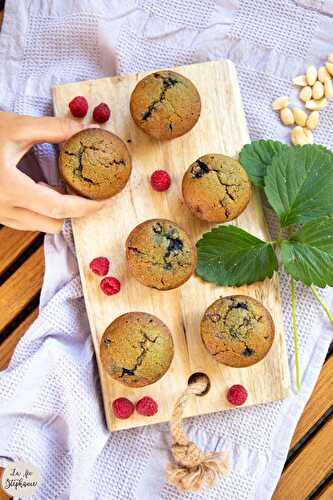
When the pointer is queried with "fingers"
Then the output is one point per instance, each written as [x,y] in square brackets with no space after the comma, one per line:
[32,130]
[47,201]
[25,204]
[20,133]
[20,218]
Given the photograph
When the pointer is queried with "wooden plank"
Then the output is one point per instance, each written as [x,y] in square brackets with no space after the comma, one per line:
[7,347]
[318,404]
[21,287]
[327,493]
[12,244]
[221,128]
[3,495]
[310,466]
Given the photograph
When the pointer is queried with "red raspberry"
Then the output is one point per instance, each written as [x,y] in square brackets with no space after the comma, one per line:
[122,408]
[78,106]
[110,285]
[237,395]
[146,406]
[100,266]
[101,113]
[160,180]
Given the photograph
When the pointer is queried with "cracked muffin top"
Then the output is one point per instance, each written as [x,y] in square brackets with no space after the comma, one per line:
[160,254]
[216,188]
[95,163]
[237,330]
[165,105]
[137,349]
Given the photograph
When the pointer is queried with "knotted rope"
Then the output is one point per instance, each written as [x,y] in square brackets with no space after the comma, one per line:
[192,468]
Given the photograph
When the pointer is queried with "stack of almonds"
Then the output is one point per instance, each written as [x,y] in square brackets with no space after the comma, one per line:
[316,89]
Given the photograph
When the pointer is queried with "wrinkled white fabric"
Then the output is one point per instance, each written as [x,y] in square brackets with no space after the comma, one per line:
[50,403]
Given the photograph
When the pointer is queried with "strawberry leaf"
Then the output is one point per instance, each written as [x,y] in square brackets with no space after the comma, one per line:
[299,184]
[257,156]
[229,256]
[308,254]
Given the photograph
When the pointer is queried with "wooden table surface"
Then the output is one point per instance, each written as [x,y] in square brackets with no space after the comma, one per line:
[308,472]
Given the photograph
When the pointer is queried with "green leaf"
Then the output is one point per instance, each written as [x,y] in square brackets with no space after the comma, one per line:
[257,156]
[308,254]
[229,256]
[299,184]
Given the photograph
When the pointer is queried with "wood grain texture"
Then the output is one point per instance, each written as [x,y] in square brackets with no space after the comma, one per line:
[310,466]
[221,128]
[12,244]
[318,404]
[327,493]
[7,347]
[21,287]
[3,495]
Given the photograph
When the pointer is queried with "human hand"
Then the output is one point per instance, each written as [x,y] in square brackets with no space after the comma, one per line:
[25,204]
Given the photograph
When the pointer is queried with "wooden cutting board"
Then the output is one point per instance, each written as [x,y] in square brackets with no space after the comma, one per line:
[220,129]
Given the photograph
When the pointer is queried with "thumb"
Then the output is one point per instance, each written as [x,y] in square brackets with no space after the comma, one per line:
[31,130]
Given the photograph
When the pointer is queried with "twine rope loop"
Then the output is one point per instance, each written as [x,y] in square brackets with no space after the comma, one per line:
[192,468]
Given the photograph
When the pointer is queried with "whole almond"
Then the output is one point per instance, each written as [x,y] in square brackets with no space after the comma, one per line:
[300,81]
[329,67]
[311,75]
[280,103]
[328,87]
[298,136]
[317,90]
[309,135]
[305,94]
[330,57]
[323,74]
[300,116]
[287,117]
[316,105]
[313,120]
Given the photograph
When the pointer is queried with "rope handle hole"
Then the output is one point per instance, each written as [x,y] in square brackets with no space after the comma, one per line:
[202,379]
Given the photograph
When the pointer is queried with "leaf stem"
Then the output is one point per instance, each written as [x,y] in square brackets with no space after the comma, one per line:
[322,303]
[293,311]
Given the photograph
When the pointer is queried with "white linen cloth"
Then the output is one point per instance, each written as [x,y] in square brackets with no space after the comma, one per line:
[50,404]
